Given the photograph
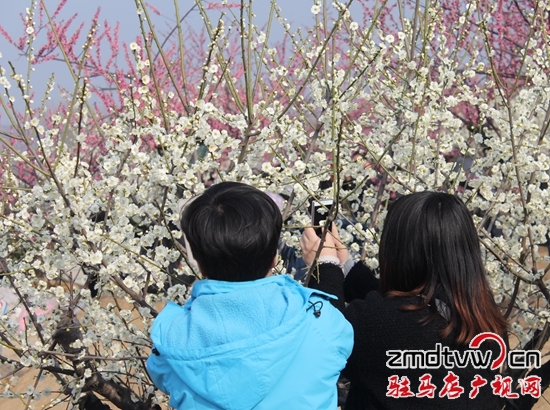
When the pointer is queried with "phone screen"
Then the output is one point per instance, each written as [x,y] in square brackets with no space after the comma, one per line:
[319,213]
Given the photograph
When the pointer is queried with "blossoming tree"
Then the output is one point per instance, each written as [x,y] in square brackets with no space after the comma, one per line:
[370,101]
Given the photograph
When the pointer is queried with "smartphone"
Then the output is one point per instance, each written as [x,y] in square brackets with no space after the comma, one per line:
[319,212]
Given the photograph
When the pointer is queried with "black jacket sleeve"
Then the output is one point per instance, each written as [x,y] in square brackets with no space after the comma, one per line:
[329,278]
[359,282]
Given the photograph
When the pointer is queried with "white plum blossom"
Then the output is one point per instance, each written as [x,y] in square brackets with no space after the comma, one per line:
[91,200]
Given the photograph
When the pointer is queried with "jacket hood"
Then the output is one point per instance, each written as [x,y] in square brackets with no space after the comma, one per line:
[239,340]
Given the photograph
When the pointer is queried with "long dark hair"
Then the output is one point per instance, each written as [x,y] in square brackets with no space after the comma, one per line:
[429,247]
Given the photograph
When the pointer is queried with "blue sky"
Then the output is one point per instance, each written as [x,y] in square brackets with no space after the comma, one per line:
[298,13]
[124,12]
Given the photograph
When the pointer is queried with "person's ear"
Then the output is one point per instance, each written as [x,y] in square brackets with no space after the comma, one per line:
[201,270]
[273,264]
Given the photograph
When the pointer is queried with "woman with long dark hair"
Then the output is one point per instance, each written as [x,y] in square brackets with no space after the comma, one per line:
[432,291]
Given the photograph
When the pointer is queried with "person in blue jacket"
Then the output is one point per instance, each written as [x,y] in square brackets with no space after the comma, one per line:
[246,339]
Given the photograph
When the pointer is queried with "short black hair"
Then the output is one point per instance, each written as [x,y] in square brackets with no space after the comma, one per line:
[233,230]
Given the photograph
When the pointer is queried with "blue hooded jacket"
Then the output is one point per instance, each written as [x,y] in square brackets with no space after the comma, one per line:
[264,344]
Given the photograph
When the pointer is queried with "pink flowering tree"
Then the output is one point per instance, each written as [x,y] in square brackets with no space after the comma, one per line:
[368,100]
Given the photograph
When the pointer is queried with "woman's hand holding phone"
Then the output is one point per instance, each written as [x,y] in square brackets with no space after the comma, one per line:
[332,246]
